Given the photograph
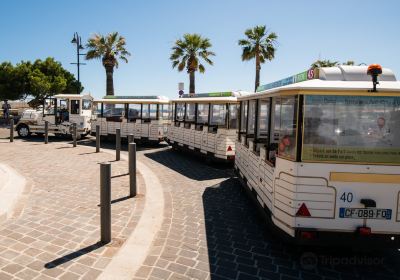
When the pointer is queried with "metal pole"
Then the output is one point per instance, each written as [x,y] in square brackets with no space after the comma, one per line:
[118,144]
[105,202]
[130,138]
[74,134]
[12,130]
[97,138]
[46,132]
[132,169]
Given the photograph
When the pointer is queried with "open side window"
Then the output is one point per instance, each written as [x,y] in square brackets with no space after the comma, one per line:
[75,107]
[190,115]
[134,112]
[217,117]
[233,116]
[251,121]
[179,113]
[262,125]
[243,118]
[202,115]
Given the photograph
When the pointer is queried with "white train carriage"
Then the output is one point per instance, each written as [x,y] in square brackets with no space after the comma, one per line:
[146,117]
[320,153]
[205,124]
[60,111]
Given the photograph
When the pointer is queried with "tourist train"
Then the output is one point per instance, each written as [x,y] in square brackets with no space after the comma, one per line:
[319,152]
[206,124]
[146,117]
[61,112]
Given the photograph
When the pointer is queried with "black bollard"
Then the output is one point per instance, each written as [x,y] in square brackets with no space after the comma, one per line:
[132,169]
[46,132]
[74,134]
[118,144]
[105,202]
[12,130]
[97,138]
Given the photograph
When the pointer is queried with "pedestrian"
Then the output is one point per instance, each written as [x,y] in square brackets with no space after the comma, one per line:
[6,111]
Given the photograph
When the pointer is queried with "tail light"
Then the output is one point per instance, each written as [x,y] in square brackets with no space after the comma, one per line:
[229,149]
[364,231]
[308,235]
[303,211]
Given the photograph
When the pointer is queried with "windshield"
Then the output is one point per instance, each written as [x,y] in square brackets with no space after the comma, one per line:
[364,129]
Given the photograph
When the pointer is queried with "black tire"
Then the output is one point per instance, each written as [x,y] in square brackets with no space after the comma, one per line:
[23,131]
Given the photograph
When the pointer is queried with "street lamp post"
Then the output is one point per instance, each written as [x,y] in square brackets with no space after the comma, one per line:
[78,41]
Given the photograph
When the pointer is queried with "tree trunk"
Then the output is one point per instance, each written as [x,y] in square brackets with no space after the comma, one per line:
[110,80]
[258,68]
[191,82]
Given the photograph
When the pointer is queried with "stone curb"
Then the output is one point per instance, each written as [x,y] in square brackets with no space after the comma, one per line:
[11,190]
[132,254]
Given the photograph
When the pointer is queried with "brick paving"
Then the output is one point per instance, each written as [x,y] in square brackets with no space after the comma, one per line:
[54,233]
[211,230]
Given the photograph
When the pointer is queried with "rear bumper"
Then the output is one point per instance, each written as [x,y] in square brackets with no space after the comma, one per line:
[347,239]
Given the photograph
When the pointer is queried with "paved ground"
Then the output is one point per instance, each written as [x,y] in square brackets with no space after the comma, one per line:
[55,230]
[210,230]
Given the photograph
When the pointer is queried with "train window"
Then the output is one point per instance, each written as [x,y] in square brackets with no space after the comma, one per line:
[97,110]
[233,116]
[251,125]
[218,114]
[134,111]
[190,112]
[114,112]
[180,111]
[285,122]
[86,104]
[263,119]
[146,111]
[153,111]
[243,116]
[75,107]
[352,129]
[202,113]
[165,111]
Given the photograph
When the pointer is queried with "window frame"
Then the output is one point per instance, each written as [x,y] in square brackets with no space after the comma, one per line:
[140,112]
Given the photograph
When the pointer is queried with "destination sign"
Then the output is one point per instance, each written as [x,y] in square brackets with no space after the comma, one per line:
[210,94]
[301,77]
[131,97]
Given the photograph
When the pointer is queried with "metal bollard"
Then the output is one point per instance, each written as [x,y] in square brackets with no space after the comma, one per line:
[12,130]
[130,138]
[105,202]
[97,138]
[132,169]
[118,144]
[46,132]
[74,134]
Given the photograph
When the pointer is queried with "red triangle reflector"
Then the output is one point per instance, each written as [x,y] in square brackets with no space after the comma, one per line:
[303,211]
[229,149]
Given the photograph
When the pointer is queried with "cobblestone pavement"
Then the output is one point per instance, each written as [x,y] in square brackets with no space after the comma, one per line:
[211,231]
[55,231]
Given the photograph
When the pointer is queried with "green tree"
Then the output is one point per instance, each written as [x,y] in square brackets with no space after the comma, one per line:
[39,80]
[109,49]
[324,63]
[259,44]
[188,52]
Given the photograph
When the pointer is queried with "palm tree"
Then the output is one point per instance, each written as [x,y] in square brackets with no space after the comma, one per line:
[187,53]
[109,49]
[260,44]
[324,63]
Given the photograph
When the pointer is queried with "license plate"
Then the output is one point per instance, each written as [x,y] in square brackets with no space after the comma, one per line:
[365,213]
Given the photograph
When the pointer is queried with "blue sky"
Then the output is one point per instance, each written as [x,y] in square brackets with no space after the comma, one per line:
[364,31]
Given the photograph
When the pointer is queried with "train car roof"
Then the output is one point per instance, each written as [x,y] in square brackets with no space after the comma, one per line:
[133,99]
[328,79]
[228,96]
[74,96]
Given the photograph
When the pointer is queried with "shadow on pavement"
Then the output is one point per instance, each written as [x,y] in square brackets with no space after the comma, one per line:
[73,255]
[240,246]
[190,166]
